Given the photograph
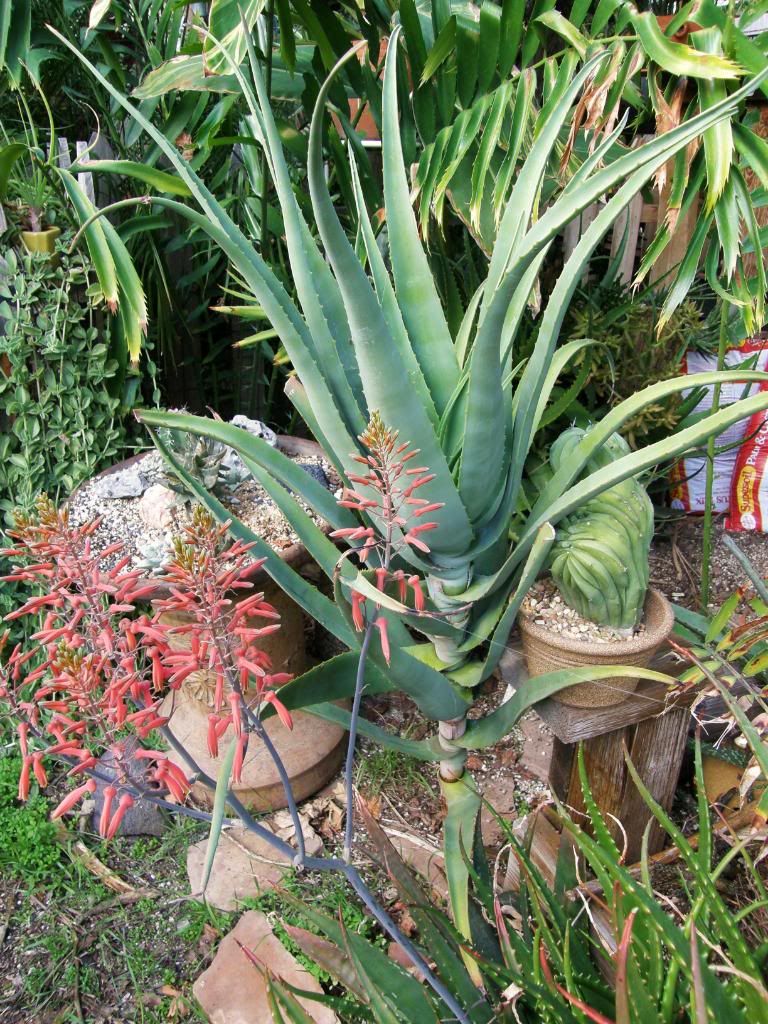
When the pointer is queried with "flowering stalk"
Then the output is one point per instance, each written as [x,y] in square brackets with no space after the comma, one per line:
[387,497]
[95,677]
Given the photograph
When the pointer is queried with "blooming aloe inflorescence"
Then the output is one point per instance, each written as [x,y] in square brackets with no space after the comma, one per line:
[361,341]
[94,678]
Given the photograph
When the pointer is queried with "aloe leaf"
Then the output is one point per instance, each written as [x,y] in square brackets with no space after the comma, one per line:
[414,283]
[437,935]
[160,180]
[421,750]
[275,462]
[727,929]
[484,732]
[217,814]
[318,292]
[612,422]
[723,1004]
[718,140]
[380,969]
[463,803]
[523,196]
[103,261]
[430,689]
[329,957]
[388,299]
[332,680]
[533,566]
[385,379]
[678,58]
[268,290]
[322,550]
[314,603]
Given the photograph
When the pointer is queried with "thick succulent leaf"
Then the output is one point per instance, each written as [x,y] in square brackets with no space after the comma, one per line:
[628,466]
[388,299]
[436,933]
[386,380]
[318,292]
[414,284]
[103,260]
[332,680]
[523,197]
[308,597]
[678,58]
[533,566]
[217,815]
[380,969]
[463,803]
[322,550]
[430,689]
[484,732]
[278,465]
[160,180]
[421,750]
[264,284]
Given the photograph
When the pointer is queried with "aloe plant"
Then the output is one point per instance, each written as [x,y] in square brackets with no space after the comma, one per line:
[362,342]
[536,947]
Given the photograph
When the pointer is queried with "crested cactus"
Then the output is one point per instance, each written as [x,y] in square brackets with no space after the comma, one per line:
[599,561]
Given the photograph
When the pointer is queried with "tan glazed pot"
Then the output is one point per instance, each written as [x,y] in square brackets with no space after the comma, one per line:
[546,651]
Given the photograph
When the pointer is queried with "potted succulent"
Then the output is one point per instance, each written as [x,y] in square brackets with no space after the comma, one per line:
[143,504]
[596,607]
[31,198]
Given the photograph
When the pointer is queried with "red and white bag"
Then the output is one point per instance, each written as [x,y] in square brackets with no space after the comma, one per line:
[749,486]
[688,476]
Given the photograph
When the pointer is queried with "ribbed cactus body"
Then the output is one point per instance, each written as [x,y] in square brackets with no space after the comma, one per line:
[599,561]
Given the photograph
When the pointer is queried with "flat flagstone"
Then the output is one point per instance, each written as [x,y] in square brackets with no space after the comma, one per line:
[233,989]
[245,865]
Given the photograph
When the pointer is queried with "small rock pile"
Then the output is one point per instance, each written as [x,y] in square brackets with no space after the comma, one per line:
[544,606]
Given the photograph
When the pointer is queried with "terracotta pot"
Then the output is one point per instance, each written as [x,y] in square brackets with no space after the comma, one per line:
[313,750]
[40,241]
[546,651]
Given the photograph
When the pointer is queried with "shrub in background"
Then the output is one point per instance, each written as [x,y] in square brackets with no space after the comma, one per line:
[61,417]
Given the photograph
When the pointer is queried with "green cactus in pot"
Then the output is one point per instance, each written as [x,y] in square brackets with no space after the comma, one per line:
[599,561]
[364,342]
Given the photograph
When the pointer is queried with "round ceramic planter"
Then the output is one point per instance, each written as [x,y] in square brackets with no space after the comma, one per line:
[313,750]
[40,241]
[547,651]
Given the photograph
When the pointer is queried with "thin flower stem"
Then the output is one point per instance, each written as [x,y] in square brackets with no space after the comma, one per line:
[263,735]
[349,833]
[389,926]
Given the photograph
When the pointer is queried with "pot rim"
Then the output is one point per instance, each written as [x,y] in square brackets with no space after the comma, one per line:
[616,650]
[295,555]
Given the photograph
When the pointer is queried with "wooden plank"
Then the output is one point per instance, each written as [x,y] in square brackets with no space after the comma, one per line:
[576,228]
[650,700]
[65,160]
[627,225]
[657,750]
[677,246]
[84,178]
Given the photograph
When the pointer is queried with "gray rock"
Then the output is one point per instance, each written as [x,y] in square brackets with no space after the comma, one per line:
[232,467]
[317,472]
[125,483]
[143,819]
